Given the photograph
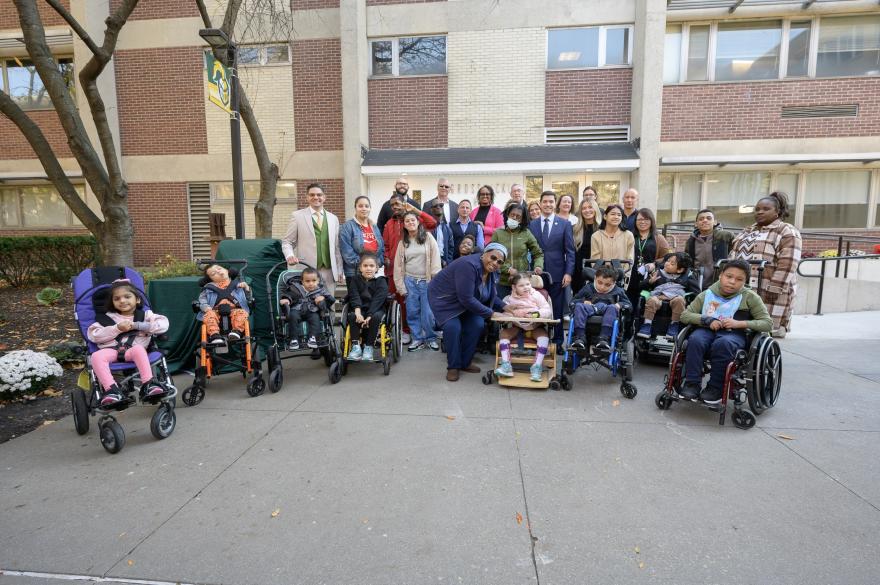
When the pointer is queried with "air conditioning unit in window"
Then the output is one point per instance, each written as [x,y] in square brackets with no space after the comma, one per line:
[586,134]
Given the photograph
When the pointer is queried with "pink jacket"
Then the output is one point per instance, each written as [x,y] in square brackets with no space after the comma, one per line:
[493,221]
[106,336]
[519,306]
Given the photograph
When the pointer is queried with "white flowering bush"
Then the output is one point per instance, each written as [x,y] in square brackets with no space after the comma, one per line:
[25,371]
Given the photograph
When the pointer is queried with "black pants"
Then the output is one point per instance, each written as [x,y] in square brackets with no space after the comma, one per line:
[372,328]
[295,317]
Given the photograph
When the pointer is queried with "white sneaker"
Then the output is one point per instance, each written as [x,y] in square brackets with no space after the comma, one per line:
[405,338]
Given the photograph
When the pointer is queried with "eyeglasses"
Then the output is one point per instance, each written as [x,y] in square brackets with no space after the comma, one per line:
[485,194]
[643,219]
[495,259]
[437,205]
[443,186]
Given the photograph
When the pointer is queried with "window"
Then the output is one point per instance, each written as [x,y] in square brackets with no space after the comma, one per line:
[35,206]
[788,184]
[849,45]
[698,53]
[284,190]
[19,79]
[408,56]
[672,54]
[798,49]
[836,199]
[599,46]
[690,187]
[732,196]
[664,199]
[747,50]
[534,187]
[252,56]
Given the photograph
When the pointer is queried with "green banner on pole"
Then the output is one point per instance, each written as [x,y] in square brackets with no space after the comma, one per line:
[219,87]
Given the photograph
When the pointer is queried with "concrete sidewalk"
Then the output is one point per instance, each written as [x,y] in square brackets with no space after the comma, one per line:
[407,479]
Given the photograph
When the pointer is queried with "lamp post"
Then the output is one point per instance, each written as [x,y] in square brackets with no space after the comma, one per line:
[218,39]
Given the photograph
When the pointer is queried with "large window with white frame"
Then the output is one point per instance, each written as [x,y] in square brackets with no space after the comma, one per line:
[20,80]
[590,47]
[408,56]
[263,55]
[35,206]
[748,50]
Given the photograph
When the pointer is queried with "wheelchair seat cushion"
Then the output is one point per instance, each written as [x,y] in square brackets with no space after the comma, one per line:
[154,357]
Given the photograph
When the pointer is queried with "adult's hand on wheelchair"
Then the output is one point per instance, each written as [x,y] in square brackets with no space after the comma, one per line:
[291,260]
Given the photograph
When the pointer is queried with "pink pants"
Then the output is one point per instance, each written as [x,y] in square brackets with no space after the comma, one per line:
[102,359]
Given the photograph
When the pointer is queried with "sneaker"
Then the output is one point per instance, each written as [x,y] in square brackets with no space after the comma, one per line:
[579,343]
[405,338]
[355,353]
[673,329]
[711,395]
[312,342]
[416,346]
[690,390]
[111,397]
[216,339]
[602,345]
[536,370]
[434,345]
[293,345]
[368,354]
[645,330]
[152,389]
[234,335]
[504,370]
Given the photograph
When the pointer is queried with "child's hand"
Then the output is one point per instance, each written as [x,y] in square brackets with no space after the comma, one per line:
[244,285]
[654,277]
[731,323]
[587,303]
[285,301]
[358,317]
[715,325]
[125,326]
[617,306]
[319,299]
[367,321]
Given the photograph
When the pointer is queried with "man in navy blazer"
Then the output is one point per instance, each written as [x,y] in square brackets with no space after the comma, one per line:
[556,238]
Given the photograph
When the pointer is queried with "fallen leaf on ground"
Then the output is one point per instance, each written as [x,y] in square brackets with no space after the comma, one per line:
[276,512]
[615,403]
[786,437]
[450,417]
[641,565]
[518,518]
[47,422]
[51,392]
[637,550]
[130,562]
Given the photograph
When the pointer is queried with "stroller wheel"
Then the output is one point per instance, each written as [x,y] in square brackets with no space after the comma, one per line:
[335,372]
[566,383]
[163,422]
[256,386]
[193,395]
[743,419]
[663,400]
[112,436]
[628,390]
[276,379]
[80,411]
[554,384]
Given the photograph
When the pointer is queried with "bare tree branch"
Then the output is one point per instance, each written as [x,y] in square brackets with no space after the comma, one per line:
[79,30]
[206,20]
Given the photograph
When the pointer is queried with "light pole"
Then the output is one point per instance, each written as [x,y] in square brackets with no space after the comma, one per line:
[219,40]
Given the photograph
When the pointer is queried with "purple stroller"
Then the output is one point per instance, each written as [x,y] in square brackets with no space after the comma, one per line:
[90,288]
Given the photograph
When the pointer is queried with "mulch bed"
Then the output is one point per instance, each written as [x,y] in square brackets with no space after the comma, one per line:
[26,324]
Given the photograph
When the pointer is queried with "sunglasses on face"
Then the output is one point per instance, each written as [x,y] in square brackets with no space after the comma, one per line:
[495,259]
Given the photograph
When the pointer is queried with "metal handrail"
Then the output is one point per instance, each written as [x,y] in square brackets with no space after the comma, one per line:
[821,275]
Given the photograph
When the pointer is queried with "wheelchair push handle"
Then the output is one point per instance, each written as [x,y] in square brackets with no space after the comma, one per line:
[619,263]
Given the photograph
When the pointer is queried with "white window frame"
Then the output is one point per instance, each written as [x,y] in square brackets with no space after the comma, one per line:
[395,56]
[603,40]
[263,60]
[4,76]
[73,222]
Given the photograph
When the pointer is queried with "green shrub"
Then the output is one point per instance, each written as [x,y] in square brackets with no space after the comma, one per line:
[68,352]
[169,267]
[49,296]
[24,260]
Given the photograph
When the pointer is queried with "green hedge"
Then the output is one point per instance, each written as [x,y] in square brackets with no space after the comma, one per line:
[45,259]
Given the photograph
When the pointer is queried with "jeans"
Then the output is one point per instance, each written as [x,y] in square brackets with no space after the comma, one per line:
[418,311]
[460,335]
[721,347]
[582,312]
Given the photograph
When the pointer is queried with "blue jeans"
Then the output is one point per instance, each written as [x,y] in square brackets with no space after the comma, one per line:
[582,312]
[721,346]
[460,336]
[418,311]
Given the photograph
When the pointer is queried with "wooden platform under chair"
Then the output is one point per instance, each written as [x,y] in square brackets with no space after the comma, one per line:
[522,379]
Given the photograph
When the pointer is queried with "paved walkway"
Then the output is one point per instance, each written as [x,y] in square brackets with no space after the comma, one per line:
[407,479]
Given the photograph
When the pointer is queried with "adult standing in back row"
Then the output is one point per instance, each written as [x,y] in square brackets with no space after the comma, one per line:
[401,187]
[630,210]
[556,238]
[313,237]
[449,207]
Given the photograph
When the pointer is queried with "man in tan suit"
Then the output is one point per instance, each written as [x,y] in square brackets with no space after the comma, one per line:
[313,237]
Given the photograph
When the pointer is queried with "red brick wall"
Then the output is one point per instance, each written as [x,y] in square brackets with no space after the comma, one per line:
[333,188]
[382,2]
[317,94]
[152,9]
[161,97]
[587,97]
[313,4]
[732,111]
[814,246]
[408,112]
[160,216]
[9,14]
[14,146]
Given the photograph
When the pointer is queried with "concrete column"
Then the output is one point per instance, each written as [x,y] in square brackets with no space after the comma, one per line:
[355,113]
[647,96]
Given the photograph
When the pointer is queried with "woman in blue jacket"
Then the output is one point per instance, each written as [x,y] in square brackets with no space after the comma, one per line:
[359,235]
[462,296]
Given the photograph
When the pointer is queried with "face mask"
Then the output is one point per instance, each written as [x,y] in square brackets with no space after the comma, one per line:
[512,224]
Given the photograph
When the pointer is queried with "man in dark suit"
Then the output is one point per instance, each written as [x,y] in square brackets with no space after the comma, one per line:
[450,207]
[556,238]
[401,187]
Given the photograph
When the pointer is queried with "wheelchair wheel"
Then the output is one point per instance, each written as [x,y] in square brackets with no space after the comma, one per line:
[163,422]
[663,400]
[256,386]
[80,411]
[767,375]
[386,366]
[335,372]
[743,419]
[343,366]
[487,377]
[396,332]
[276,379]
[112,436]
[565,381]
[193,395]
[273,357]
[628,390]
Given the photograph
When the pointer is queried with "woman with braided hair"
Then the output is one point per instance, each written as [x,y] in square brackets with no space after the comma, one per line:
[779,243]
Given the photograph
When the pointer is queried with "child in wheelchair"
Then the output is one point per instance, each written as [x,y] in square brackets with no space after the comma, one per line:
[602,297]
[721,315]
[524,301]
[123,334]
[223,294]
[670,281]
[367,296]
[305,298]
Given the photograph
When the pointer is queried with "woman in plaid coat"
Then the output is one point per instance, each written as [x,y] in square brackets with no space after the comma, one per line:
[779,243]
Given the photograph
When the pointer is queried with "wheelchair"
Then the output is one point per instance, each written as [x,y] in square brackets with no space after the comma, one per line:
[389,341]
[238,355]
[659,346]
[90,288]
[753,377]
[619,361]
[328,345]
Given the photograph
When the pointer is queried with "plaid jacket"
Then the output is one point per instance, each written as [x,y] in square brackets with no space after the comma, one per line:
[780,245]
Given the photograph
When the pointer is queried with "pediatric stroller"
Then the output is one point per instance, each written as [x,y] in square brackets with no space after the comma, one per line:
[90,288]
[238,355]
[754,376]
[281,337]
[619,360]
[659,346]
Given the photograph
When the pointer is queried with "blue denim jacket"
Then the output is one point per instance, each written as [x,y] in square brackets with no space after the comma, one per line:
[351,245]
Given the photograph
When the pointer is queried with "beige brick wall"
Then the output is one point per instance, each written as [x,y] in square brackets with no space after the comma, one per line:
[496,87]
[270,91]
